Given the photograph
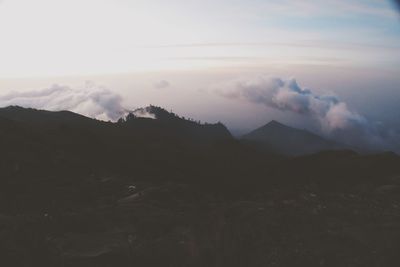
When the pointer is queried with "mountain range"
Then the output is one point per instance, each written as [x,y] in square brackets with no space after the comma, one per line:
[156,189]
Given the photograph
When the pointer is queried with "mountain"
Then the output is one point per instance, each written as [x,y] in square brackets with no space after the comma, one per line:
[153,121]
[282,139]
[44,143]
[155,189]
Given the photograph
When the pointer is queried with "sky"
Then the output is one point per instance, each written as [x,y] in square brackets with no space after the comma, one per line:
[77,37]
[180,53]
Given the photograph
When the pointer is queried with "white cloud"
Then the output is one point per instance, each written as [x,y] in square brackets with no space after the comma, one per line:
[332,116]
[162,84]
[91,100]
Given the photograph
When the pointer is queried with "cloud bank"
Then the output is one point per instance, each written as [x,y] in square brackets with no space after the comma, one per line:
[162,84]
[91,100]
[332,116]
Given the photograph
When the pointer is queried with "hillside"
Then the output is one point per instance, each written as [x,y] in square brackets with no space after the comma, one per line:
[65,141]
[166,191]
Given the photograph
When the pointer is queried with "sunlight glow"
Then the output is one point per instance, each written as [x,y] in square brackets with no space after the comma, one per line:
[79,37]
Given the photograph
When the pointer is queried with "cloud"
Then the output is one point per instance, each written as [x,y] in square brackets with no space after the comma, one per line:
[162,84]
[91,100]
[326,8]
[316,43]
[331,115]
[144,113]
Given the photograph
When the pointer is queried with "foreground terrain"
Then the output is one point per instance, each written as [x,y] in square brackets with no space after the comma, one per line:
[173,192]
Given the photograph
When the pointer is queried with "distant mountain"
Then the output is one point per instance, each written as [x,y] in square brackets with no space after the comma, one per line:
[279,138]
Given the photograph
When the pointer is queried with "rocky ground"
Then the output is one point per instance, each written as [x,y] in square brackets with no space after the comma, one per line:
[174,224]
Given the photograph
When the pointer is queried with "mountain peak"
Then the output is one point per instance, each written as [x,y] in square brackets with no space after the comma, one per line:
[275,123]
[288,140]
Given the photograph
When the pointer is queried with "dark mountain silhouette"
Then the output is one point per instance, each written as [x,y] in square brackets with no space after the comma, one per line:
[167,191]
[65,141]
[283,139]
[169,125]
